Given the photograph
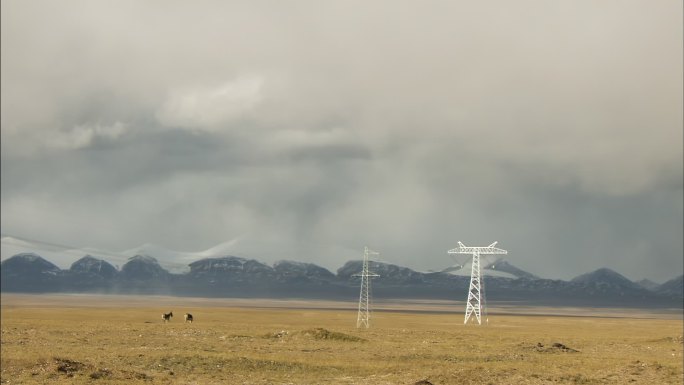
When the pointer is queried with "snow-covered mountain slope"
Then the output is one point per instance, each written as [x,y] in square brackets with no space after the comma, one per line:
[498,268]
[171,260]
[674,287]
[648,284]
[62,256]
[178,262]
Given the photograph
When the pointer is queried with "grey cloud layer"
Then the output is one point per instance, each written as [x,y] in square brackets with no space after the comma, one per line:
[311,129]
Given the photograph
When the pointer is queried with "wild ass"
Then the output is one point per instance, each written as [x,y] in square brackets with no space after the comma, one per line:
[188,317]
[166,317]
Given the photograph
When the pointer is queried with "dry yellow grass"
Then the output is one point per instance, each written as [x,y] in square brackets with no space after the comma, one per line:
[64,342]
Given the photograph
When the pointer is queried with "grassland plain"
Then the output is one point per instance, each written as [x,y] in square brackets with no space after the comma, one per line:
[118,340]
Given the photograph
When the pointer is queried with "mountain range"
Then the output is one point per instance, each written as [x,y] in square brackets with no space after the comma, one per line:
[232,276]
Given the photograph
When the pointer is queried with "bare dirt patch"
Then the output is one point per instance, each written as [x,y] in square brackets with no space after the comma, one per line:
[101,373]
[69,367]
[325,334]
[554,348]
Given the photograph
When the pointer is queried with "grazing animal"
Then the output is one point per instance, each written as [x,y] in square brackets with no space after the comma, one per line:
[188,317]
[166,317]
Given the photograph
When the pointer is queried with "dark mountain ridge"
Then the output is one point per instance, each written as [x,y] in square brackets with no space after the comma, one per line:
[231,268]
[300,272]
[673,287]
[232,276]
[607,281]
[92,266]
[29,273]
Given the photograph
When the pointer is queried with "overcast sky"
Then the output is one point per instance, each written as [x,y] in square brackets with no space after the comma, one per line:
[305,130]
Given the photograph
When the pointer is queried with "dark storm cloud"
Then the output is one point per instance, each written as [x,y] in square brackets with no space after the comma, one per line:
[309,130]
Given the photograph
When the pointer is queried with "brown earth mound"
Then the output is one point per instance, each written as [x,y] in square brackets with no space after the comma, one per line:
[325,334]
[556,347]
[68,367]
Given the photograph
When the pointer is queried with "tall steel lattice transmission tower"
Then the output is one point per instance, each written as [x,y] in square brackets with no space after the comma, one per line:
[365,296]
[475,304]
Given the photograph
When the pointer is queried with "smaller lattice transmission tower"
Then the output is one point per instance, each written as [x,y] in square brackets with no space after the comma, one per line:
[475,304]
[365,296]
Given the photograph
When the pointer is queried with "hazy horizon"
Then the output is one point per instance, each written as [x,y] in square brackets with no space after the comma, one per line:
[177,261]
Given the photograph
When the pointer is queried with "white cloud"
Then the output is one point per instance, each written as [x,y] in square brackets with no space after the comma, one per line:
[82,136]
[209,108]
[28,141]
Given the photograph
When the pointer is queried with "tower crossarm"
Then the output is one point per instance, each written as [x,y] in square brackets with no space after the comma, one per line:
[365,275]
[463,249]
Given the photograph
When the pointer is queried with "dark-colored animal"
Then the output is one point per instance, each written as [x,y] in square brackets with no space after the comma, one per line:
[166,317]
[188,317]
